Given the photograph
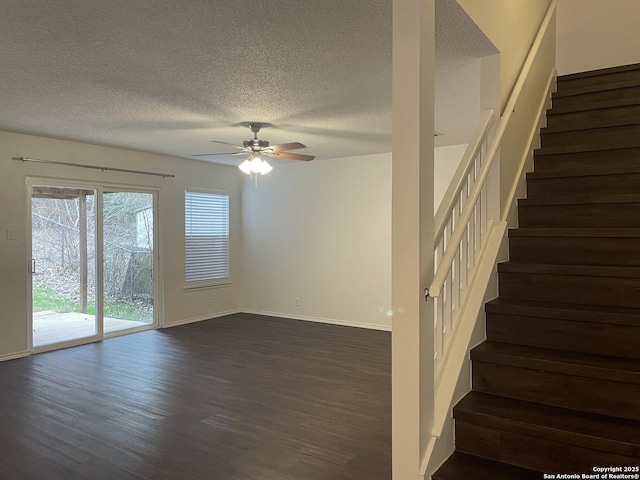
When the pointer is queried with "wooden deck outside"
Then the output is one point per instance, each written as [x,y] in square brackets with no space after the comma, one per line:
[50,327]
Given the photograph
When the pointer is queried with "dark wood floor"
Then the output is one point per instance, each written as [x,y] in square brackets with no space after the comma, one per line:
[241,397]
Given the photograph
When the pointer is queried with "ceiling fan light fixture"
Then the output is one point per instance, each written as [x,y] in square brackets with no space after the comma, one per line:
[255,164]
[245,166]
[265,167]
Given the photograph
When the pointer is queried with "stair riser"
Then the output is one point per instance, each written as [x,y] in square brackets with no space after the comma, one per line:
[538,453]
[621,184]
[565,335]
[568,391]
[575,250]
[568,84]
[595,118]
[466,467]
[596,99]
[581,290]
[612,137]
[577,289]
[625,215]
[587,162]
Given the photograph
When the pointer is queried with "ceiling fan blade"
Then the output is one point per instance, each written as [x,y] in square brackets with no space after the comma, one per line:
[227,143]
[290,156]
[286,146]
[225,153]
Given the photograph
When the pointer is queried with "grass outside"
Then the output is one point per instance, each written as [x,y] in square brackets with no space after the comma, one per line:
[45,298]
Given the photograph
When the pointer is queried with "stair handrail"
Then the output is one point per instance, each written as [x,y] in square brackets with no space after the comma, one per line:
[434,290]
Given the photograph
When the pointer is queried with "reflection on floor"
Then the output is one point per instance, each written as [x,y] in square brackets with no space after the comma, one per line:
[50,327]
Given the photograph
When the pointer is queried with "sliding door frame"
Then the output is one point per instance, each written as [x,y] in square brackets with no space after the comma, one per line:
[99,188]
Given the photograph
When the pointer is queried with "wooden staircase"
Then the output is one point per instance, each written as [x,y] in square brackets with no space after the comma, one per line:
[556,386]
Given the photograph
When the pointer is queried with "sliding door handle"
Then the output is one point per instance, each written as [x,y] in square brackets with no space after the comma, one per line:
[32,266]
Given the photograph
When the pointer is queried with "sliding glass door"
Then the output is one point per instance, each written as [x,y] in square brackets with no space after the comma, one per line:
[63,264]
[128,251]
[92,263]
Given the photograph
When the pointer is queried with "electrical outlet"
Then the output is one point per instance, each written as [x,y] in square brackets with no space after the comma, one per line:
[211,301]
[10,234]
[297,301]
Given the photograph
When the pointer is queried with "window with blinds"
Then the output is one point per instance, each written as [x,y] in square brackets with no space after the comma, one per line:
[206,231]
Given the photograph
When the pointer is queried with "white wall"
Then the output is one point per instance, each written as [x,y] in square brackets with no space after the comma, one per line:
[320,232]
[179,305]
[445,163]
[511,26]
[595,34]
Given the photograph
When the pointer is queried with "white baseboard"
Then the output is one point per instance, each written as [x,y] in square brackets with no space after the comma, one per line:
[185,321]
[13,356]
[201,318]
[331,321]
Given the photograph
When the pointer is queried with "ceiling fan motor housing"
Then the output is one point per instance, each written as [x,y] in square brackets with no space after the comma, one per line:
[255,144]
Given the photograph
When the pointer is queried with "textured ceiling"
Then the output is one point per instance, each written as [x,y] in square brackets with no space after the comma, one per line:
[168,76]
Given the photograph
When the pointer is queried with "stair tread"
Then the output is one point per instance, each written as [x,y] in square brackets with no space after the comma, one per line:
[589,128]
[615,85]
[588,124]
[590,430]
[461,466]
[592,171]
[581,199]
[595,151]
[594,105]
[576,232]
[621,271]
[598,72]
[565,311]
[589,139]
[625,183]
[577,149]
[568,363]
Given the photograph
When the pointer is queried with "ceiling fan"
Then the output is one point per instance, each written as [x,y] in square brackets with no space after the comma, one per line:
[256,148]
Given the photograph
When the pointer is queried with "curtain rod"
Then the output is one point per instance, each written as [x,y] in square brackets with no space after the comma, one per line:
[104,169]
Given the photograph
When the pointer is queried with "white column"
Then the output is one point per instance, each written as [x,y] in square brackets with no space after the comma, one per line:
[412,232]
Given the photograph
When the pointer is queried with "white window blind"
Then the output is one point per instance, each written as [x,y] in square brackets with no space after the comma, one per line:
[206,229]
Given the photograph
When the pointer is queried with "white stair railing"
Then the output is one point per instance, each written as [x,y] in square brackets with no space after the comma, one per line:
[461,223]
